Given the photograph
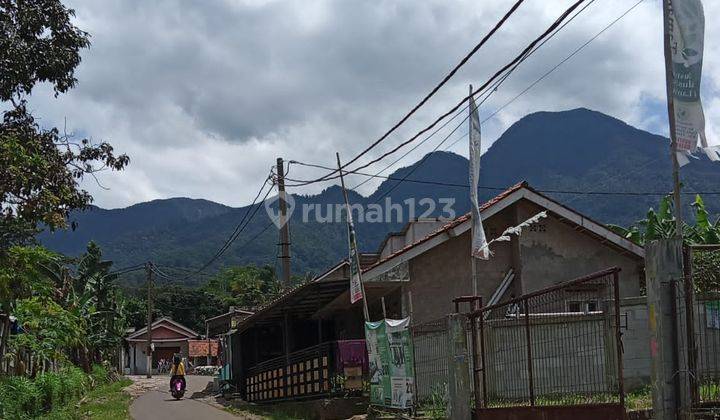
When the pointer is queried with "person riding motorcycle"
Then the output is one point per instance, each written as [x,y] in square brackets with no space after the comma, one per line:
[177,372]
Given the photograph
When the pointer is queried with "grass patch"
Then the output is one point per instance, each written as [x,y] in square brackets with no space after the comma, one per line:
[106,401]
[269,412]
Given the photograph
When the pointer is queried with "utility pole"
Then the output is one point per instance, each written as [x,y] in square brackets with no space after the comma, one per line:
[284,228]
[472,225]
[677,203]
[148,334]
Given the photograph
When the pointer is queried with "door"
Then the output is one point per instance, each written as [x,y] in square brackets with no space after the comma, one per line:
[166,353]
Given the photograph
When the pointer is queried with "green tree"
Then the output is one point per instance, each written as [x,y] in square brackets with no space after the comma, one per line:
[21,274]
[50,332]
[661,225]
[248,286]
[87,289]
[40,169]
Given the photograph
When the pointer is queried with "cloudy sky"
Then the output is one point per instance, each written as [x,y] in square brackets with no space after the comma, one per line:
[204,95]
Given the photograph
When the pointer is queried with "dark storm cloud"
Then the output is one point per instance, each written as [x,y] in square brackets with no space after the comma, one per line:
[205,94]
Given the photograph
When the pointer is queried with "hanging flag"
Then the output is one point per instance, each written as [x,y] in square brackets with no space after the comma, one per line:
[356,292]
[686,29]
[479,243]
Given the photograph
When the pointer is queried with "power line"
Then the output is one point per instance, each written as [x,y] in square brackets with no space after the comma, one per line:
[547,191]
[437,87]
[519,58]
[488,92]
[244,222]
[125,270]
[546,74]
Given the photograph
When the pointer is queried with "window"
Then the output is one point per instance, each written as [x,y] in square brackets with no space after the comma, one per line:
[583,306]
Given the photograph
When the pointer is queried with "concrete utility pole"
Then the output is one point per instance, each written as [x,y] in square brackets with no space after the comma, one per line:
[284,222]
[148,333]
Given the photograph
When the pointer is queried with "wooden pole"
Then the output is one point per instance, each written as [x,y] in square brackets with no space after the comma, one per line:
[357,252]
[677,203]
[472,224]
[284,222]
[148,333]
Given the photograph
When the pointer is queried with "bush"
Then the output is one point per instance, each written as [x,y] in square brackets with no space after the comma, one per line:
[99,375]
[49,385]
[74,382]
[19,398]
[22,398]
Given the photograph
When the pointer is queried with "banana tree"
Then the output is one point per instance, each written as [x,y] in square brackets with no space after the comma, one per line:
[661,225]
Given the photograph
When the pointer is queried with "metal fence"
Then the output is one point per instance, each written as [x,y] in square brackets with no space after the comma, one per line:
[430,350]
[700,294]
[560,346]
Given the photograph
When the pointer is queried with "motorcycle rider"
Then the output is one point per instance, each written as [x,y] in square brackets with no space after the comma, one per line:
[177,372]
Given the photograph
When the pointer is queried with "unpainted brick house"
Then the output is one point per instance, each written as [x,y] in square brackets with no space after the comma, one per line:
[432,268]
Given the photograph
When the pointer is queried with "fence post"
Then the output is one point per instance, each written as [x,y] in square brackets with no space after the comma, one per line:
[531,383]
[458,369]
[663,268]
[618,338]
[692,346]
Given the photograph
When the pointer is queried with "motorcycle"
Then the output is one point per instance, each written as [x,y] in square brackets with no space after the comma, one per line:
[177,386]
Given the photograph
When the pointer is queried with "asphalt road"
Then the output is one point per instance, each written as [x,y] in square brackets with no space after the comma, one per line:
[160,405]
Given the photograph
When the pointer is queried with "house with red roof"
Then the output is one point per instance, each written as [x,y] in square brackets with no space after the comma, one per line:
[168,338]
[418,272]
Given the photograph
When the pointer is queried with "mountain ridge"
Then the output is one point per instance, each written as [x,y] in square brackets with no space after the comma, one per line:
[575,150]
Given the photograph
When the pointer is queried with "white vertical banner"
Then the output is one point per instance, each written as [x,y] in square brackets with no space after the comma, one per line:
[479,242]
[356,291]
[687,33]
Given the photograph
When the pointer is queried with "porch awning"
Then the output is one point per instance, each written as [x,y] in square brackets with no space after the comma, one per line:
[300,302]
[374,291]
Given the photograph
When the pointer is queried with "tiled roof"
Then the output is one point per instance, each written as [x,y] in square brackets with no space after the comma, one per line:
[199,348]
[450,225]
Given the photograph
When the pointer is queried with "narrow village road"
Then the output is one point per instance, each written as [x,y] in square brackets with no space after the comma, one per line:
[158,404]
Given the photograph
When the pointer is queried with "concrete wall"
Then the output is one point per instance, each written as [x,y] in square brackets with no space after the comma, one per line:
[445,272]
[636,339]
[552,252]
[636,342]
[413,231]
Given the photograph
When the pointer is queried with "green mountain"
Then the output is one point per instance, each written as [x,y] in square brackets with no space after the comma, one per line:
[559,152]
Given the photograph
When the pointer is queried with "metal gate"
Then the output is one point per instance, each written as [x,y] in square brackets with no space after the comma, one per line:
[554,352]
[698,300]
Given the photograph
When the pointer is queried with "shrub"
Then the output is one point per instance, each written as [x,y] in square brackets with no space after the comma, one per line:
[22,398]
[74,382]
[19,398]
[99,375]
[49,385]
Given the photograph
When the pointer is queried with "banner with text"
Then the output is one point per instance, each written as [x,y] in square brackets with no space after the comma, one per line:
[686,28]
[390,356]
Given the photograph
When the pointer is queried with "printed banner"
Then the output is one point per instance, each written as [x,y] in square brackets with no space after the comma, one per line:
[712,314]
[479,243]
[356,292]
[687,32]
[391,363]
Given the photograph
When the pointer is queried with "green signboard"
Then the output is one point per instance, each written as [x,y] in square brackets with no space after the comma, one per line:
[390,354]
